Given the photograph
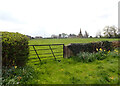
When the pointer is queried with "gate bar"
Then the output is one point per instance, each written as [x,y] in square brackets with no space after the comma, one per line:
[52,52]
[46,45]
[36,53]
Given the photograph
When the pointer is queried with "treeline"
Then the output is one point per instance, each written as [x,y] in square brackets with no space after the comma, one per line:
[109,32]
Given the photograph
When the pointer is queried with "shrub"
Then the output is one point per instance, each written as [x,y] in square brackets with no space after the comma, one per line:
[84,57]
[100,55]
[15,75]
[15,49]
[89,47]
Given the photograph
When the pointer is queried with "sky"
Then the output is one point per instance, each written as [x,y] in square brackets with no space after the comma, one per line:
[47,17]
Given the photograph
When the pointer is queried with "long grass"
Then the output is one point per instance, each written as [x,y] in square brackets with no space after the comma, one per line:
[69,71]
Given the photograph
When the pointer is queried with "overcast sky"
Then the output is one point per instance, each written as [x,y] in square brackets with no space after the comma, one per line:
[47,17]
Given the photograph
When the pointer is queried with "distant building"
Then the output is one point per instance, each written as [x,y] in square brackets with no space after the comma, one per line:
[80,34]
[38,37]
[54,36]
[72,36]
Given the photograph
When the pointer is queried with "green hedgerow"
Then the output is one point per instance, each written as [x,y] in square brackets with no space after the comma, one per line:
[15,49]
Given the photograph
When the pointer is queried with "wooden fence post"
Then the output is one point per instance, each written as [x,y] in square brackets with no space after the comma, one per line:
[63,51]
[67,52]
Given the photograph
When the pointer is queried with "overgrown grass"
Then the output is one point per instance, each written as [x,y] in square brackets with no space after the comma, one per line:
[68,71]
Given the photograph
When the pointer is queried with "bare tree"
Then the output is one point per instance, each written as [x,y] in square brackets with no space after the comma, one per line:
[86,34]
[110,31]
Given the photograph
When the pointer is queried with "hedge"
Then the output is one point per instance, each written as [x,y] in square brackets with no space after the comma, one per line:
[89,47]
[15,49]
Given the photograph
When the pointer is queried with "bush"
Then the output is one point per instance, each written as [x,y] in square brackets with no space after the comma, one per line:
[15,49]
[84,57]
[89,47]
[100,55]
[15,75]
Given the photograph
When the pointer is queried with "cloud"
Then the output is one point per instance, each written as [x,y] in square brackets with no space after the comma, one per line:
[47,17]
[6,16]
[105,16]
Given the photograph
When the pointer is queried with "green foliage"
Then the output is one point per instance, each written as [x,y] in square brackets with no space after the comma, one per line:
[89,47]
[15,49]
[110,31]
[16,75]
[84,57]
[100,55]
[67,71]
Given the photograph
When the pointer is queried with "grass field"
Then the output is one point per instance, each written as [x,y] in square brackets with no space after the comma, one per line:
[59,48]
[66,71]
[67,41]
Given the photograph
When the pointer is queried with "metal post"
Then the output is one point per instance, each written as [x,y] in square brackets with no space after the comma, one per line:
[36,53]
[52,52]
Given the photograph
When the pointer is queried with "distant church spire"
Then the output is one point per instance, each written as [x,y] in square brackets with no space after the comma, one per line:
[80,34]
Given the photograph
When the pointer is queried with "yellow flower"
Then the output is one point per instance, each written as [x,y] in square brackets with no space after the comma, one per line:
[109,51]
[100,49]
[112,77]
[116,51]
[15,67]
[62,69]
[97,49]
[104,50]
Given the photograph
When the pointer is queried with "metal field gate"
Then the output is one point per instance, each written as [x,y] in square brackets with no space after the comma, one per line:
[46,51]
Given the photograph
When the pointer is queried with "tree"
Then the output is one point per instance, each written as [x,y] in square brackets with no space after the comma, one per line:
[113,30]
[86,34]
[59,35]
[110,31]
[90,36]
[63,35]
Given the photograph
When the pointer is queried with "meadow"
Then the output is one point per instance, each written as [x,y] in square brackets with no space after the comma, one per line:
[67,41]
[66,71]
